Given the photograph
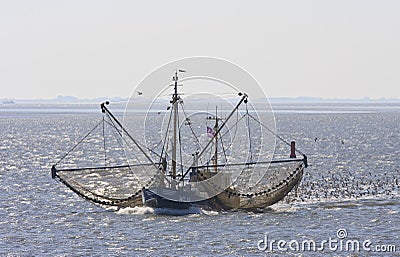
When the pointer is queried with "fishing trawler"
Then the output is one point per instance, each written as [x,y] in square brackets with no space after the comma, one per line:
[218,174]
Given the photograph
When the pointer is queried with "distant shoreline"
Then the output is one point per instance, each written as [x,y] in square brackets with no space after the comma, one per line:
[275,100]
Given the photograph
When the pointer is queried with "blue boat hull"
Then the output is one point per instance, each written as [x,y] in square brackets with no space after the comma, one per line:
[151,199]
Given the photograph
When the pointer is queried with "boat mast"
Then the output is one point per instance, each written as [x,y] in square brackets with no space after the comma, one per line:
[216,139]
[175,108]
[216,129]
[175,98]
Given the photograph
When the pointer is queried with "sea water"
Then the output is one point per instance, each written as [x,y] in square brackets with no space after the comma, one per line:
[347,204]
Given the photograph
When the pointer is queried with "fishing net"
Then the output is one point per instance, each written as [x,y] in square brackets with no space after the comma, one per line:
[272,187]
[115,186]
[97,169]
[279,180]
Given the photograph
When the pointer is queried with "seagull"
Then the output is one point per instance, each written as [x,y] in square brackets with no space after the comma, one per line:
[139,92]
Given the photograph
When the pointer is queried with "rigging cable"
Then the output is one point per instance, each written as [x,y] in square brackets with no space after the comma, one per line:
[223,148]
[111,122]
[272,132]
[244,97]
[73,148]
[190,124]
[104,145]
[248,129]
[121,140]
[165,146]
[180,146]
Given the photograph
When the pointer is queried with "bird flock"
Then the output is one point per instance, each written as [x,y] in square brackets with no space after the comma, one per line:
[347,185]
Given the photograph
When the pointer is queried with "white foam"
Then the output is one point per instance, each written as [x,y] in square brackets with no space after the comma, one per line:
[210,213]
[143,210]
[138,210]
[283,207]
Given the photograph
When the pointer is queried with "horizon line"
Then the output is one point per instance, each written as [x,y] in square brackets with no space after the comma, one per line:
[73,99]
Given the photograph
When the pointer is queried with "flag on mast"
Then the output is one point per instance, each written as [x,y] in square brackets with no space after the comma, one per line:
[210,132]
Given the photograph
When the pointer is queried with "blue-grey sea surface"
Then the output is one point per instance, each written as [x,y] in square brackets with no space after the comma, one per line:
[350,192]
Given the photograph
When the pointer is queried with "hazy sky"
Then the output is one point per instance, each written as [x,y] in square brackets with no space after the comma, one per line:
[343,49]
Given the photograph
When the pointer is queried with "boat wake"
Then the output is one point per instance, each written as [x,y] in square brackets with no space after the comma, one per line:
[139,210]
[145,210]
